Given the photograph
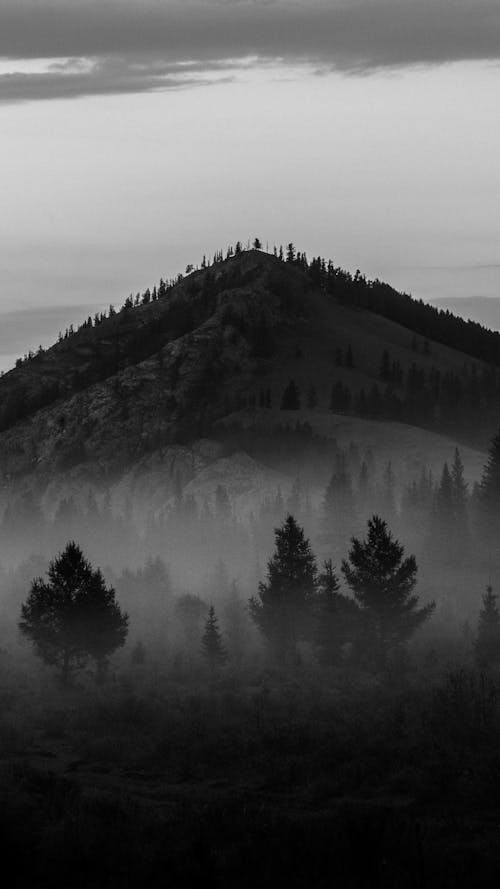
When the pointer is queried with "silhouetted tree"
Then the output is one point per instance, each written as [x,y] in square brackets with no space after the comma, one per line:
[489,491]
[73,616]
[283,609]
[211,642]
[382,582]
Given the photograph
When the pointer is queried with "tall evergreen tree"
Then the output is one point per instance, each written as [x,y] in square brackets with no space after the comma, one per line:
[487,646]
[211,642]
[382,582]
[489,492]
[460,487]
[283,610]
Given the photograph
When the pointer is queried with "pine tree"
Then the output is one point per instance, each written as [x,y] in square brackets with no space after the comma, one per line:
[382,582]
[487,646]
[489,491]
[73,616]
[460,493]
[283,610]
[460,488]
[211,642]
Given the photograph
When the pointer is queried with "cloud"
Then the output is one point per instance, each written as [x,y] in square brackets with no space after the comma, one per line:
[136,44]
[107,76]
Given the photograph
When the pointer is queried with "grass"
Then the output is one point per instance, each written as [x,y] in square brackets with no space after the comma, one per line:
[255,779]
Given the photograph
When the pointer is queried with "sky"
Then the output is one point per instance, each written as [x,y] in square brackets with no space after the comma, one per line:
[137,136]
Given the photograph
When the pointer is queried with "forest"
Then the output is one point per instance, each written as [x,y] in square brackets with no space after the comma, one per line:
[324,669]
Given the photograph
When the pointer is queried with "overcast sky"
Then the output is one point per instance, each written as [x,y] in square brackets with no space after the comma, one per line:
[137,135]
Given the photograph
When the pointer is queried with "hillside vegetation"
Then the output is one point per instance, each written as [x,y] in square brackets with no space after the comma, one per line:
[231,336]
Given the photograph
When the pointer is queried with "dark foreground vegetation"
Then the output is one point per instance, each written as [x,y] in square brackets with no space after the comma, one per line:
[256,777]
[317,726]
[348,748]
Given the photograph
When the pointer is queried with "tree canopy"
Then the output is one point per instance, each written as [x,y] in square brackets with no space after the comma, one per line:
[73,616]
[382,582]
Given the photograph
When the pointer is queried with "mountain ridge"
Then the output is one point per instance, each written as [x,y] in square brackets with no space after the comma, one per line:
[219,340]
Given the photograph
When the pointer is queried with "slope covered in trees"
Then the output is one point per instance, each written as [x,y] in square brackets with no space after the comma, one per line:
[251,330]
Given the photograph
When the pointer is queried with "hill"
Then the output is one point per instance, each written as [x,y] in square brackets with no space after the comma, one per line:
[234,334]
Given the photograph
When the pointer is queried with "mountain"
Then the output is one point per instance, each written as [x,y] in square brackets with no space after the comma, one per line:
[192,360]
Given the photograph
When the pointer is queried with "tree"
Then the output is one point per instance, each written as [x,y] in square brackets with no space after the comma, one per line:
[211,642]
[257,244]
[291,397]
[487,646]
[73,616]
[336,617]
[489,491]
[283,609]
[382,582]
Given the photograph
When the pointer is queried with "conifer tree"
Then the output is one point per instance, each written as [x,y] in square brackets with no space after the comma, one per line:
[487,646]
[73,616]
[382,582]
[211,642]
[460,488]
[283,610]
[490,482]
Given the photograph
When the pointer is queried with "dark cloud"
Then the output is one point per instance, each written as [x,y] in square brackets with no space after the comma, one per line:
[108,76]
[137,43]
